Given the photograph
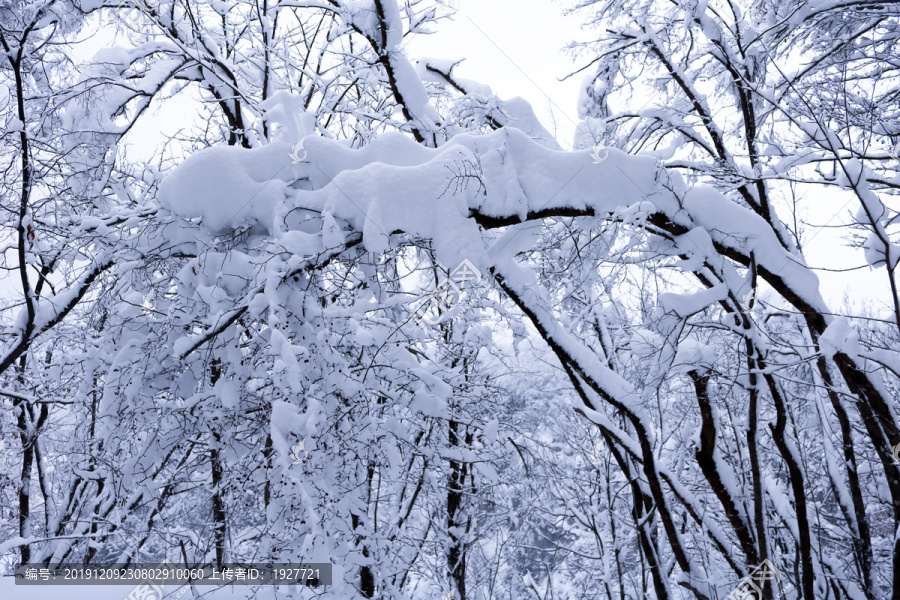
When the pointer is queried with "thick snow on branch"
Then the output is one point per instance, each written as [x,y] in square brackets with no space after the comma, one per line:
[395,185]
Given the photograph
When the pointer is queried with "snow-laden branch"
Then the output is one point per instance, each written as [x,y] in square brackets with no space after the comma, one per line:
[51,310]
[449,194]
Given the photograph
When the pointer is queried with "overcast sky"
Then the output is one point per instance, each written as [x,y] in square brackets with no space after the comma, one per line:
[517,48]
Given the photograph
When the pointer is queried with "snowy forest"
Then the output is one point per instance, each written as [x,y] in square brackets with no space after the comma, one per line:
[361,310]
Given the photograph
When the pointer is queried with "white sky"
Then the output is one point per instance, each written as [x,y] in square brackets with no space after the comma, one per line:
[517,48]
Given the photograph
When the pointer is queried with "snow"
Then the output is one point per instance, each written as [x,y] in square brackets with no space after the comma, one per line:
[395,186]
[490,432]
[685,305]
[226,186]
[694,355]
[840,336]
[429,405]
[14,125]
[287,111]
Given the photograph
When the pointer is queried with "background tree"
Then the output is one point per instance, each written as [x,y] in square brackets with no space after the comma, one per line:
[218,353]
